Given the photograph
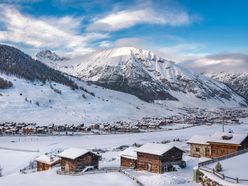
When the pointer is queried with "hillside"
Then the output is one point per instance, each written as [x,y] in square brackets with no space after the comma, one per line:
[38,102]
[15,62]
[236,81]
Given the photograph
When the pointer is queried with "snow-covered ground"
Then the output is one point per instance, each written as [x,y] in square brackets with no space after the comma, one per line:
[235,167]
[19,104]
[12,161]
[38,103]
[52,179]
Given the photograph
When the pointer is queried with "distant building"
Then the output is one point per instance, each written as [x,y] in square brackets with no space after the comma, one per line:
[76,160]
[217,145]
[152,157]
[45,162]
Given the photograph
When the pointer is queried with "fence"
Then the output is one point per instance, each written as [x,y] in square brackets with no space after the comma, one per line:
[96,171]
[102,170]
[223,176]
[222,158]
[202,167]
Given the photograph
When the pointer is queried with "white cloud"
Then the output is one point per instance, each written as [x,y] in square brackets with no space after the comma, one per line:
[231,62]
[182,52]
[130,42]
[61,33]
[128,18]
[105,44]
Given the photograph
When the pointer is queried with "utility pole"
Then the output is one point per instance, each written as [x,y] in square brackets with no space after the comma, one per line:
[223,124]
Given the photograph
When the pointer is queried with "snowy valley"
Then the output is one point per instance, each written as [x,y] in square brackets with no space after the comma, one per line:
[44,98]
[163,103]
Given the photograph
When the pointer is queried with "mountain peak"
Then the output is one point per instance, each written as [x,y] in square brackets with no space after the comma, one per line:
[125,51]
[49,55]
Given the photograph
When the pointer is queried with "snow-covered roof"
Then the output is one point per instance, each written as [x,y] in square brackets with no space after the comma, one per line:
[233,138]
[129,153]
[73,153]
[198,139]
[47,159]
[155,148]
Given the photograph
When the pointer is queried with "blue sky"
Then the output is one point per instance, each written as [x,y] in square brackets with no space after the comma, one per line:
[187,31]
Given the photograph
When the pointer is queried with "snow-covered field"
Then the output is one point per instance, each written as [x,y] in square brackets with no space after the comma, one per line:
[12,161]
[52,179]
[19,104]
[234,167]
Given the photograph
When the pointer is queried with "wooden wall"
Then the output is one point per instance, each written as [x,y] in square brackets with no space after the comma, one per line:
[218,149]
[89,159]
[42,166]
[128,163]
[156,163]
[148,162]
[173,155]
[202,150]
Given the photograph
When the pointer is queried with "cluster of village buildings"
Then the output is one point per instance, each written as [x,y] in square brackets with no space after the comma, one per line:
[193,117]
[151,157]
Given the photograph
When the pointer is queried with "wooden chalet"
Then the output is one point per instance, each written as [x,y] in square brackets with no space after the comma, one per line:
[217,145]
[75,160]
[225,143]
[199,147]
[129,158]
[158,158]
[152,157]
[45,162]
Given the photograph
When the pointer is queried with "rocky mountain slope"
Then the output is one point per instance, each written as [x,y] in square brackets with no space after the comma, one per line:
[15,62]
[237,81]
[49,55]
[149,77]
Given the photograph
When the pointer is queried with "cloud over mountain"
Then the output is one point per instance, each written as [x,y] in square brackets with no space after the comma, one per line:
[231,62]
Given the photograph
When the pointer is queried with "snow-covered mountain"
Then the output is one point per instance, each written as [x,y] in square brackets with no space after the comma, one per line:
[31,91]
[149,77]
[49,55]
[237,81]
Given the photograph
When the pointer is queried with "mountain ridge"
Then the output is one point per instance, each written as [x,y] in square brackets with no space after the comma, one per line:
[15,62]
[235,80]
[147,76]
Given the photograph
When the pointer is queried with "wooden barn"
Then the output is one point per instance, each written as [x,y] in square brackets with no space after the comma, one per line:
[129,158]
[158,158]
[199,147]
[217,145]
[76,160]
[225,143]
[45,162]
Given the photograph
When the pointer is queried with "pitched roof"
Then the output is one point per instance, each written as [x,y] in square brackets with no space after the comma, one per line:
[47,159]
[73,153]
[155,148]
[129,153]
[198,139]
[233,138]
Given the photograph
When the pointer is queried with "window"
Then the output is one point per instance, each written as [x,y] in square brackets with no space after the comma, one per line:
[197,149]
